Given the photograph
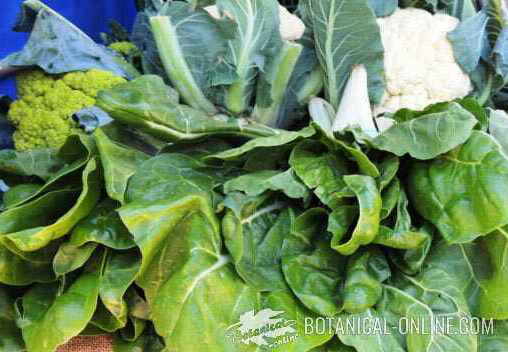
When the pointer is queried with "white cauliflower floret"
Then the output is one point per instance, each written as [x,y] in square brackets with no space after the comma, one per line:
[291,27]
[420,67]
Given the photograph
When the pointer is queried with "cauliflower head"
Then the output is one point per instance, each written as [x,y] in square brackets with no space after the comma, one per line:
[420,67]
[43,113]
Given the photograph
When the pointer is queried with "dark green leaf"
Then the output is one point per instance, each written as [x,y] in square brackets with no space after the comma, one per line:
[280,139]
[119,164]
[103,226]
[462,193]
[256,183]
[312,269]
[37,236]
[366,270]
[254,239]
[322,171]
[50,319]
[369,200]
[147,104]
[430,135]
[10,335]
[16,271]
[169,175]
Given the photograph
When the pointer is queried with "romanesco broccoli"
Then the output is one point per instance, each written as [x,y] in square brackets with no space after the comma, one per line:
[43,113]
[124,48]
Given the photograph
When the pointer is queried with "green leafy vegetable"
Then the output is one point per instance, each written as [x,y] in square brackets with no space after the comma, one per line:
[369,200]
[311,268]
[46,322]
[427,136]
[346,34]
[472,204]
[148,104]
[58,46]
[181,36]
[256,32]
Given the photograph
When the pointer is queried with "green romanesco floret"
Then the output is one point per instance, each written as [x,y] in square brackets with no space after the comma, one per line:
[124,48]
[43,113]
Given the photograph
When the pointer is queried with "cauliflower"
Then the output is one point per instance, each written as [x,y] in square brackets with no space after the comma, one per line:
[43,113]
[420,67]
[291,26]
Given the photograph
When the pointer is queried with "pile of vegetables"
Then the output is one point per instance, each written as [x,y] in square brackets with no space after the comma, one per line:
[348,161]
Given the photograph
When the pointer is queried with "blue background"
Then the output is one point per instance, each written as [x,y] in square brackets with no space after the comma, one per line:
[92,16]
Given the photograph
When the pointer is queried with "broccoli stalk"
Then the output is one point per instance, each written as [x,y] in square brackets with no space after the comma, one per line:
[175,65]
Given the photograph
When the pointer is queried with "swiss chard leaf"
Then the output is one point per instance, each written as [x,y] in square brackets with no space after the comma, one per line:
[489,274]
[312,269]
[10,334]
[375,342]
[430,135]
[256,183]
[280,138]
[367,227]
[120,271]
[366,270]
[69,257]
[321,170]
[17,271]
[497,340]
[45,320]
[185,234]
[462,193]
[254,231]
[402,235]
[119,164]
[37,237]
[42,163]
[102,226]
[498,127]
[168,175]
[147,104]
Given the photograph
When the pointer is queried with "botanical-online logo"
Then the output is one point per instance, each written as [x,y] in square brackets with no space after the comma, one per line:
[265,328]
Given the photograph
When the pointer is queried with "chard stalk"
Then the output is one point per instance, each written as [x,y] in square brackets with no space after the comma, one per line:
[278,74]
[175,65]
[354,108]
